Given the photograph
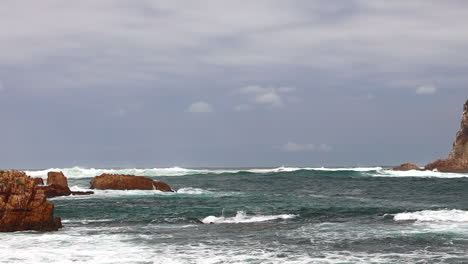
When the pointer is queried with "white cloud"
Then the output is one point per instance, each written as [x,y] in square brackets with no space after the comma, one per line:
[200,107]
[295,147]
[242,108]
[272,96]
[426,89]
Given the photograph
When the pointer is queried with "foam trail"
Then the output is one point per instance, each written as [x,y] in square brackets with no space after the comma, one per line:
[434,216]
[242,217]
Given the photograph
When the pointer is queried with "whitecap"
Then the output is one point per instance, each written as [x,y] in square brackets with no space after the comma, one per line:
[242,217]
[417,173]
[434,216]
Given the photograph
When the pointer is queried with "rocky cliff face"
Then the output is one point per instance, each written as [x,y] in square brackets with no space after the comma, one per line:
[127,182]
[460,145]
[458,158]
[23,205]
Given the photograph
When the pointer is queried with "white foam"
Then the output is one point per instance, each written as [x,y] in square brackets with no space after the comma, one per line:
[242,217]
[190,190]
[434,216]
[417,173]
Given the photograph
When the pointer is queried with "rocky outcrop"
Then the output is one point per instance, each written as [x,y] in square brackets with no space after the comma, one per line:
[57,178]
[458,158]
[407,167]
[127,182]
[23,205]
[449,165]
[38,181]
[57,185]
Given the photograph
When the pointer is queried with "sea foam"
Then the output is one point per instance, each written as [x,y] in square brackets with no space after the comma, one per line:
[242,217]
[434,216]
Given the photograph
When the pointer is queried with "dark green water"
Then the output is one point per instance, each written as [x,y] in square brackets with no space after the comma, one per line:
[302,216]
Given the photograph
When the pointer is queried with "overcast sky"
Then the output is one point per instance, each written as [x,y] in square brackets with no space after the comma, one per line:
[230,83]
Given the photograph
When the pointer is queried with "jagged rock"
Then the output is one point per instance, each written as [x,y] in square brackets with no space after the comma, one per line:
[38,181]
[406,167]
[58,186]
[23,205]
[458,158]
[449,165]
[57,178]
[127,182]
[460,145]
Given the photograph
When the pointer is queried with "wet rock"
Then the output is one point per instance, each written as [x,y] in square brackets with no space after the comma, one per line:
[406,167]
[127,182]
[58,186]
[449,165]
[38,181]
[23,205]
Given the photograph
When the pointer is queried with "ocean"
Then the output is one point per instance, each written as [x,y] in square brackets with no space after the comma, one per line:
[256,215]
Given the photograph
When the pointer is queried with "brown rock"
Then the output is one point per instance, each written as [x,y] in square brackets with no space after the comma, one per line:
[23,205]
[58,186]
[406,167]
[127,182]
[449,165]
[458,158]
[460,145]
[56,178]
[38,181]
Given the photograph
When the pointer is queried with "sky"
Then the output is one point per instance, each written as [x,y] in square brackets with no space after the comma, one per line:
[146,83]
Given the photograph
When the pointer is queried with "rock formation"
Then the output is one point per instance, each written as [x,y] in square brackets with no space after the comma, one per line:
[406,167]
[23,205]
[127,182]
[458,158]
[38,181]
[57,185]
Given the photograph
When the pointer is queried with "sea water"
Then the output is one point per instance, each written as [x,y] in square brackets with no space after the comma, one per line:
[256,215]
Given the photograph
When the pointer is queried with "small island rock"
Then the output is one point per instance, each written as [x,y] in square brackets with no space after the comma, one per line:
[127,182]
[407,167]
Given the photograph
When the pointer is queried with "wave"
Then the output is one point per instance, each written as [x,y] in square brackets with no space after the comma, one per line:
[434,216]
[242,217]
[79,172]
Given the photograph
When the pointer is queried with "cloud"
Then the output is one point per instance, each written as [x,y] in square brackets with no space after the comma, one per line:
[426,89]
[295,147]
[242,108]
[270,96]
[200,107]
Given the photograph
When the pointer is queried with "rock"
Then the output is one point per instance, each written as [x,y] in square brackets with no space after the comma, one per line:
[55,190]
[458,158]
[23,205]
[38,181]
[460,145]
[57,178]
[127,182]
[449,165]
[406,167]
[58,186]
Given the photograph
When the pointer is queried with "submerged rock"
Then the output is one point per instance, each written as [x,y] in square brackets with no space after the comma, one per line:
[406,167]
[127,182]
[23,205]
[458,158]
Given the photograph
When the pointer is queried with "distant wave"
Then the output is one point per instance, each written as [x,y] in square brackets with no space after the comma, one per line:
[242,217]
[79,172]
[434,216]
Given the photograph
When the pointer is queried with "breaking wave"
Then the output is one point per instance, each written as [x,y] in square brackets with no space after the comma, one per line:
[242,217]
[79,172]
[434,216]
